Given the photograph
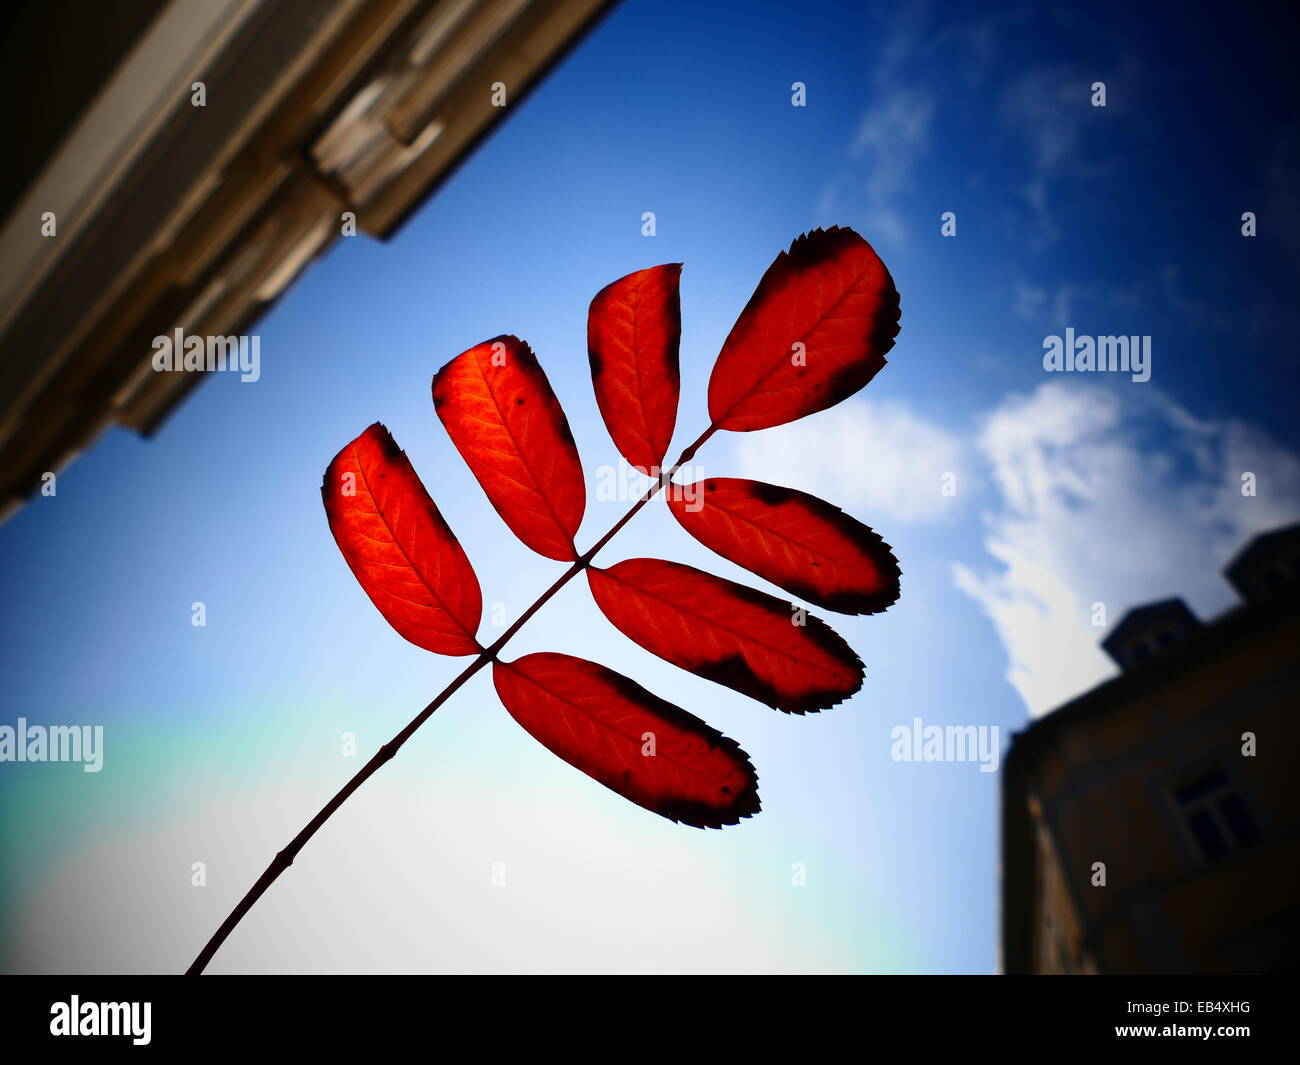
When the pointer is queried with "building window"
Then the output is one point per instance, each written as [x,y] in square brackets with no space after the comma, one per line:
[1215,815]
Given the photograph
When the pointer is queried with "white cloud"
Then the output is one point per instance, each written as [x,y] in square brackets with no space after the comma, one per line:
[877,458]
[1111,496]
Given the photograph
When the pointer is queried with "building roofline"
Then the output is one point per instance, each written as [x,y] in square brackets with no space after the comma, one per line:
[1209,641]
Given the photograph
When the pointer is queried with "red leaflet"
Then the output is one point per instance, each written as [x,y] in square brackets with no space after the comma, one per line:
[796,541]
[633,742]
[398,546]
[507,424]
[634,328]
[831,294]
[749,641]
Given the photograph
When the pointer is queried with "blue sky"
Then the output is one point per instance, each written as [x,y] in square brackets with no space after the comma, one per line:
[1071,490]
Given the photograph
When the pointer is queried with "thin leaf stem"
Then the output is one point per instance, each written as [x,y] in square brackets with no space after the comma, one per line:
[285,857]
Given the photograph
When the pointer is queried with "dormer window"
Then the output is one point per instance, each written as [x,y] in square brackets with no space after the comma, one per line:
[1147,631]
[1267,565]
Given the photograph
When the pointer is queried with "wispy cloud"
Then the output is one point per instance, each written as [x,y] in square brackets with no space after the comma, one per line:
[920,63]
[1062,303]
[894,133]
[1047,110]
